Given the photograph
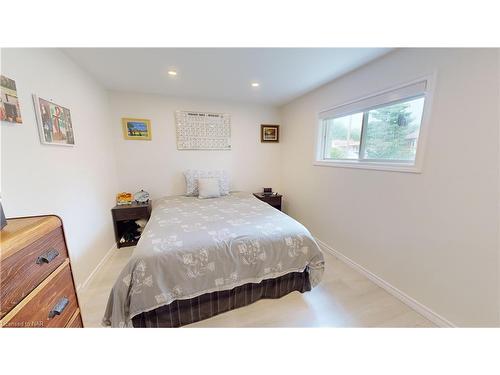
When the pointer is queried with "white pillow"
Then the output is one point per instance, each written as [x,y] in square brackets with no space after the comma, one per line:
[192,176]
[208,188]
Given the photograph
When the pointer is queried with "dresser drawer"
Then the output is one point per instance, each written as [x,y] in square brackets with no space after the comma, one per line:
[52,304]
[76,321]
[25,269]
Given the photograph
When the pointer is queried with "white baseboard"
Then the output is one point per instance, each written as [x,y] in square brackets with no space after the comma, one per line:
[403,297]
[83,285]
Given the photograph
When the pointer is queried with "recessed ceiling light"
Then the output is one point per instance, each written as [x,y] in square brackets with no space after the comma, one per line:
[255,84]
[172,73]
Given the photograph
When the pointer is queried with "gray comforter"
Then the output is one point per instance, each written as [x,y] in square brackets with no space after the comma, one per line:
[193,246]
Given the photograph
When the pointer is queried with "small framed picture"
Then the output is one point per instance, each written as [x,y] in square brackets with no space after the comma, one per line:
[9,103]
[54,123]
[269,133]
[136,129]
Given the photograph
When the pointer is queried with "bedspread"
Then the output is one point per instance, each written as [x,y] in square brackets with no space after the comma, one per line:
[193,246]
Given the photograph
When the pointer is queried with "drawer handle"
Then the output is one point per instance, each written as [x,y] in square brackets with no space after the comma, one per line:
[48,257]
[59,307]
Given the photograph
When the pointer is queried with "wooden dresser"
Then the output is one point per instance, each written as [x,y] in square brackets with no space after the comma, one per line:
[36,284]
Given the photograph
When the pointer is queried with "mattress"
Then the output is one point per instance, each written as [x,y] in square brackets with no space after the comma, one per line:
[191,247]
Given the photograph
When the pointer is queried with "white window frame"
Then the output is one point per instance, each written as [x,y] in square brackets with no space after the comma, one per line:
[395,94]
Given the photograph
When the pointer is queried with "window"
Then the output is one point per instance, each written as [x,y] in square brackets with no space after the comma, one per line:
[381,131]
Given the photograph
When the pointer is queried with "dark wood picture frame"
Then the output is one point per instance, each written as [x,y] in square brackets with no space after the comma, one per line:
[264,138]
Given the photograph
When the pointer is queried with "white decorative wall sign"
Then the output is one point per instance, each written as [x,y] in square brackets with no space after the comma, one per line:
[203,130]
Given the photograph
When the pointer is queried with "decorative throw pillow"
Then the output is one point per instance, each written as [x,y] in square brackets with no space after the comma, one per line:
[192,176]
[223,182]
[191,182]
[208,188]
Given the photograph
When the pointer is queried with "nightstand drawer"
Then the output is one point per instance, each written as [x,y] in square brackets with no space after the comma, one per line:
[131,213]
[273,201]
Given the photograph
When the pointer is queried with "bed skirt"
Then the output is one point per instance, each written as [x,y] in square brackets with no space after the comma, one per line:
[182,312]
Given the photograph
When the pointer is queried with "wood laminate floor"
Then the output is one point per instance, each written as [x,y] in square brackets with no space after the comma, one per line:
[344,298]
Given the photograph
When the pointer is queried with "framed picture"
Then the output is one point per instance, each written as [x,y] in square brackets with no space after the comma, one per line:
[136,128]
[269,133]
[9,103]
[54,123]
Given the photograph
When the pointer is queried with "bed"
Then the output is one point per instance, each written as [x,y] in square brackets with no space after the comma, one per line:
[200,257]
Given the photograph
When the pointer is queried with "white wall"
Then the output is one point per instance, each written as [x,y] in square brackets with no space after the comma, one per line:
[433,235]
[157,166]
[77,183]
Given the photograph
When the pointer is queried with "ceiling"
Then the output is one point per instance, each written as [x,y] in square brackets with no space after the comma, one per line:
[283,74]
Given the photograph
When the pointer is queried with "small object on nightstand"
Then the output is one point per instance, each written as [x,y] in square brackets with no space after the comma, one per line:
[273,199]
[123,198]
[141,196]
[129,221]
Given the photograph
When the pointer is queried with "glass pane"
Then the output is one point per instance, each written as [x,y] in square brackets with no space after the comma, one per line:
[342,137]
[392,131]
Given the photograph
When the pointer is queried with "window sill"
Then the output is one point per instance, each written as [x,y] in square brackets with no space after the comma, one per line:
[391,167]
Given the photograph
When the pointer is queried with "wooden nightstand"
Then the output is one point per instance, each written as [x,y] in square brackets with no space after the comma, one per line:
[123,214]
[274,200]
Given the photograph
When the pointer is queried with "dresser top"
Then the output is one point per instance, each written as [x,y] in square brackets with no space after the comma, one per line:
[19,233]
